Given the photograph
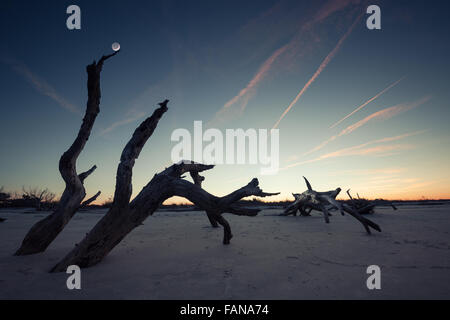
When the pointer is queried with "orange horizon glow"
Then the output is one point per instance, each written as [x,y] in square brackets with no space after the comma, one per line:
[342,196]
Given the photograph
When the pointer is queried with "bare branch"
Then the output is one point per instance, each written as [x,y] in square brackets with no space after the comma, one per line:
[105,57]
[84,175]
[67,163]
[178,169]
[308,184]
[131,152]
[197,178]
[90,200]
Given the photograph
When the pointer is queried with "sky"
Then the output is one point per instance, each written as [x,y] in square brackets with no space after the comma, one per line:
[360,109]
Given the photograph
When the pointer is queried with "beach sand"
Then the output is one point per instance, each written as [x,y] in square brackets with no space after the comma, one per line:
[177,255]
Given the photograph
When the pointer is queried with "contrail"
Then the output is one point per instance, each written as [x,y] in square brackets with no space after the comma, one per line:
[322,66]
[123,122]
[40,85]
[248,92]
[384,114]
[257,78]
[368,101]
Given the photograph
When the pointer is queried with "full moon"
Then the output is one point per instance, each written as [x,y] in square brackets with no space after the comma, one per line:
[116,46]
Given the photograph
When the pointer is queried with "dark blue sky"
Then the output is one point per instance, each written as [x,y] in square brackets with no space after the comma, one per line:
[214,59]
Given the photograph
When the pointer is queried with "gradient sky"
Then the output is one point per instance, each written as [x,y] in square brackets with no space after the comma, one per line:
[233,64]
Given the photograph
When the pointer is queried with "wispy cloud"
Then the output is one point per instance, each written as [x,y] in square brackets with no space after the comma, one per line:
[129,119]
[358,151]
[359,172]
[379,115]
[262,72]
[139,106]
[385,114]
[389,180]
[249,91]
[41,86]
[238,103]
[332,6]
[364,149]
[322,66]
[367,102]
[419,185]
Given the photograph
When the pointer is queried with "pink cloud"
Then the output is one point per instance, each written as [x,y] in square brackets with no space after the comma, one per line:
[364,149]
[384,114]
[262,72]
[245,94]
[357,151]
[331,7]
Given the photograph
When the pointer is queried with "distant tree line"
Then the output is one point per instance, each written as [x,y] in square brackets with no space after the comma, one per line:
[40,199]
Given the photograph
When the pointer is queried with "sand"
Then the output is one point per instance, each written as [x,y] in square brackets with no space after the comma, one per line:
[177,255]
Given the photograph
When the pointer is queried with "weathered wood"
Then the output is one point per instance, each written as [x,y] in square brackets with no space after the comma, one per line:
[364,221]
[116,224]
[324,201]
[198,179]
[46,230]
[364,206]
[129,155]
[82,176]
[87,202]
[124,216]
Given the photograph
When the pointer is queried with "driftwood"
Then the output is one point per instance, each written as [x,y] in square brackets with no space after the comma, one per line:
[306,202]
[46,230]
[87,202]
[124,216]
[198,179]
[364,206]
[324,202]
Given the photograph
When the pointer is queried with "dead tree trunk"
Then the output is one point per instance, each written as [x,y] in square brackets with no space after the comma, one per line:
[45,231]
[124,216]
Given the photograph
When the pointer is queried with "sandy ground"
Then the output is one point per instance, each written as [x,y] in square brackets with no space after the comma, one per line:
[177,255]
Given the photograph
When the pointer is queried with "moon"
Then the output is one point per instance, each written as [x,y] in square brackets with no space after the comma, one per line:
[116,46]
